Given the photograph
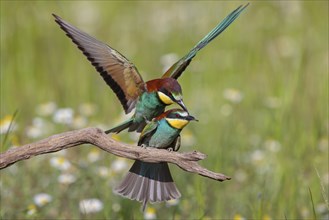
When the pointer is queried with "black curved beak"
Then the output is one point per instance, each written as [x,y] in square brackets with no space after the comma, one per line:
[181,103]
[191,118]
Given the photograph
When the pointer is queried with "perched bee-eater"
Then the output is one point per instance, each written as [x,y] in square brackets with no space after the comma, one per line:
[148,98]
[152,182]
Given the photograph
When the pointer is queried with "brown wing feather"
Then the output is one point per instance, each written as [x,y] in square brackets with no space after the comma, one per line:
[117,71]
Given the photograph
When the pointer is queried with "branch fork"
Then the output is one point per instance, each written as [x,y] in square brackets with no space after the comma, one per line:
[95,136]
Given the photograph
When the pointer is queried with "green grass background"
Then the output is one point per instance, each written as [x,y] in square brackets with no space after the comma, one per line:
[274,49]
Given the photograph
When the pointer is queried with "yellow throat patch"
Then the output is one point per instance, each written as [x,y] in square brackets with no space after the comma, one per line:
[177,123]
[165,99]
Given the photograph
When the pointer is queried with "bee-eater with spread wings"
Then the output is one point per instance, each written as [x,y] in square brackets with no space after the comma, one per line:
[148,98]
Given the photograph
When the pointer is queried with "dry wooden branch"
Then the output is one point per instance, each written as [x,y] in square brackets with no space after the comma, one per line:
[95,136]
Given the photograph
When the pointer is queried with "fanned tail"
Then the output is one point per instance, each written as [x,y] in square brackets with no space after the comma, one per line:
[148,182]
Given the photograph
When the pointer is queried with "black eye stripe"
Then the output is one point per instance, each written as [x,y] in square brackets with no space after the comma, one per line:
[174,115]
[177,115]
[167,93]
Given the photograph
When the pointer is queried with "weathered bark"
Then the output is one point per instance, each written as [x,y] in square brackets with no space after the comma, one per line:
[186,161]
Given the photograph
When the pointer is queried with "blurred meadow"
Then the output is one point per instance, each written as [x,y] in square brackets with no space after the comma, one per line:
[260,92]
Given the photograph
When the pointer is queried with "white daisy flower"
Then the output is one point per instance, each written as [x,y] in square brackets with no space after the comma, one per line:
[272,145]
[79,122]
[119,165]
[233,95]
[172,202]
[6,123]
[150,213]
[34,132]
[46,109]
[103,171]
[60,163]
[257,156]
[38,128]
[88,206]
[66,178]
[94,155]
[31,209]
[42,199]
[63,116]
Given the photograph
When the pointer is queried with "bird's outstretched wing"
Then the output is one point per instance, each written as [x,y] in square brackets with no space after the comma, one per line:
[178,68]
[117,71]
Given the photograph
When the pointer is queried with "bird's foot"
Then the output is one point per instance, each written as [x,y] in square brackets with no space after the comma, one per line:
[144,146]
[170,149]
